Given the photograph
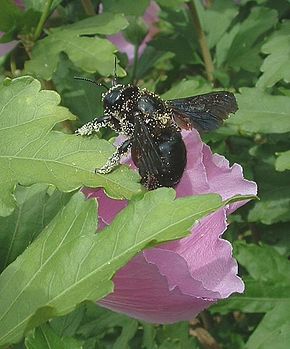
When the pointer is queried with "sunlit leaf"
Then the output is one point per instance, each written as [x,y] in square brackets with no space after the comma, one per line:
[69,263]
[30,153]
[276,65]
[261,112]
[91,54]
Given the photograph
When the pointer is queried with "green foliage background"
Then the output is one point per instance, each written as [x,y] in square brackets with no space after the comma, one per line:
[42,164]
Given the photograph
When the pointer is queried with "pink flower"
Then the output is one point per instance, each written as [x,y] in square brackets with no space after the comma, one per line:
[150,18]
[7,47]
[177,280]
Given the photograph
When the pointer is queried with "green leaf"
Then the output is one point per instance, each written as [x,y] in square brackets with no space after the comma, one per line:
[176,336]
[276,65]
[38,5]
[67,326]
[217,19]
[260,112]
[97,321]
[259,297]
[9,15]
[45,338]
[263,263]
[69,263]
[268,284]
[129,329]
[283,161]
[35,209]
[274,192]
[186,88]
[30,153]
[91,54]
[243,51]
[273,331]
[128,7]
[171,3]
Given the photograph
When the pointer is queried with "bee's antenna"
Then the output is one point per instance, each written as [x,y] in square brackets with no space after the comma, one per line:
[114,81]
[92,81]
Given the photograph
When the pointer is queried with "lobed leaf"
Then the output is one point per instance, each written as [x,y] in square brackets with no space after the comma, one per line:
[69,263]
[274,192]
[261,112]
[31,153]
[242,50]
[276,65]
[91,54]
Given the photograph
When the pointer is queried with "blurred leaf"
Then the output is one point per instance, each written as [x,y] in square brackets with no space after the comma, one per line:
[82,98]
[273,331]
[283,161]
[268,285]
[259,297]
[149,333]
[30,153]
[57,271]
[263,263]
[9,15]
[128,331]
[38,5]
[91,54]
[217,19]
[261,112]
[97,321]
[128,7]
[176,336]
[44,337]
[35,209]
[244,49]
[136,31]
[171,3]
[186,88]
[274,194]
[224,45]
[276,65]
[67,326]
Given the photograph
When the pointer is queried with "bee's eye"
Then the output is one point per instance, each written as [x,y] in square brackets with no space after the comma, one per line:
[112,98]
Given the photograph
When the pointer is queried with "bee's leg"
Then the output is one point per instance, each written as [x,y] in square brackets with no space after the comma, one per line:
[114,160]
[93,126]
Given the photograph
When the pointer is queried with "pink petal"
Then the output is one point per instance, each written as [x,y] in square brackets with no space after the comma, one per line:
[177,280]
[143,293]
[150,17]
[6,48]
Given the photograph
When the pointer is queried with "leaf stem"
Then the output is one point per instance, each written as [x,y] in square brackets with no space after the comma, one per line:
[42,20]
[135,63]
[209,67]
[88,7]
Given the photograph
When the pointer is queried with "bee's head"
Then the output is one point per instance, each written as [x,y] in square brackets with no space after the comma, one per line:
[119,99]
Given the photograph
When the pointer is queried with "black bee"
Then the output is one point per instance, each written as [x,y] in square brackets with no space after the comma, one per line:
[153,128]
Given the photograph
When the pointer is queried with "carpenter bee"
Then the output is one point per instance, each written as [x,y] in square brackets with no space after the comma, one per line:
[153,127]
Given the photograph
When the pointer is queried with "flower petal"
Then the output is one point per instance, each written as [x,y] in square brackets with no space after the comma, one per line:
[177,280]
[143,293]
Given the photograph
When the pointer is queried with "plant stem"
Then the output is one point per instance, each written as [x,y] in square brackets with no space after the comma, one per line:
[209,68]
[135,63]
[88,7]
[42,20]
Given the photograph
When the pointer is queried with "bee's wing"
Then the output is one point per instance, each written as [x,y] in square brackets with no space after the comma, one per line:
[204,112]
[149,154]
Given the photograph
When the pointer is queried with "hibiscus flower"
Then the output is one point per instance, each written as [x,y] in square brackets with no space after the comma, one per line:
[177,280]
